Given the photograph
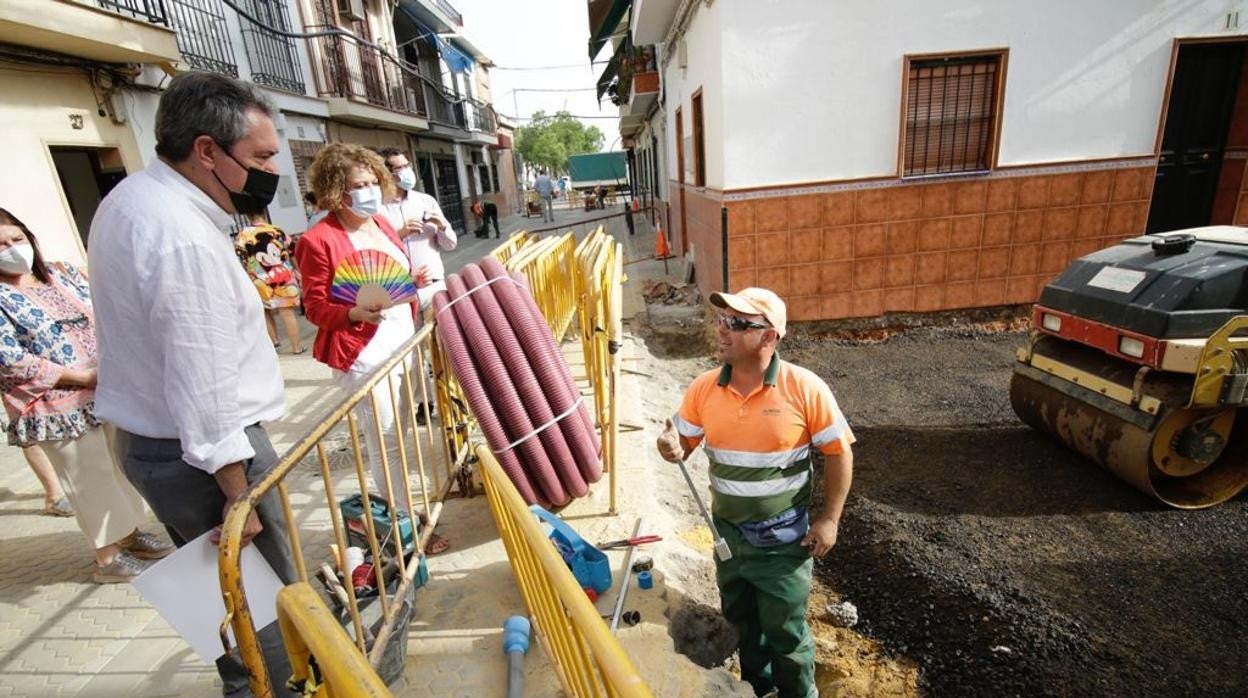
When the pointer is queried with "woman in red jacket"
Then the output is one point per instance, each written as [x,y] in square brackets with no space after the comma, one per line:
[351,181]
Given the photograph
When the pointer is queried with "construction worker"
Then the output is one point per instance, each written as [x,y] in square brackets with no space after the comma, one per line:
[759,419]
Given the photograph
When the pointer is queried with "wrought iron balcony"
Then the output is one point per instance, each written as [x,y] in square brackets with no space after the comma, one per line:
[444,107]
[450,11]
[203,38]
[152,11]
[480,117]
[274,58]
[365,74]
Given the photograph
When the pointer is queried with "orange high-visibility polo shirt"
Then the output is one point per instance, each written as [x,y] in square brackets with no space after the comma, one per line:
[759,445]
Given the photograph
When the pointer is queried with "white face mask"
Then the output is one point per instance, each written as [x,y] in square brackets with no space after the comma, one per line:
[366,202]
[407,179]
[17,259]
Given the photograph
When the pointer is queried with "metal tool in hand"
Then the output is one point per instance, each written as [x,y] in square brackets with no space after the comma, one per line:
[721,546]
[627,542]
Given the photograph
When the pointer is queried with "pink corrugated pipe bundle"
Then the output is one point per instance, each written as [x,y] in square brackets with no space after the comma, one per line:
[518,384]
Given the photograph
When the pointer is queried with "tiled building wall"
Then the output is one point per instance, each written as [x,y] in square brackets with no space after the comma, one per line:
[704,233]
[863,249]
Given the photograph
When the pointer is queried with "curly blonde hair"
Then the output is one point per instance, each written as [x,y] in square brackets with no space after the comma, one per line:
[331,166]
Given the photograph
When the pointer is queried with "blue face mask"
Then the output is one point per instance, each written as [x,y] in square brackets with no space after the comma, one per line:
[407,179]
[366,202]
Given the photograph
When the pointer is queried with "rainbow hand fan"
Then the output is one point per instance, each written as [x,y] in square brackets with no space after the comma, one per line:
[372,277]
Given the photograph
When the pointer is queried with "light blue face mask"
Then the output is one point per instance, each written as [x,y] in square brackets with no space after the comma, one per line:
[407,179]
[366,202]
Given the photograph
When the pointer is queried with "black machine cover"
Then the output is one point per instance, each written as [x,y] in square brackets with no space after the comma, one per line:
[1157,293]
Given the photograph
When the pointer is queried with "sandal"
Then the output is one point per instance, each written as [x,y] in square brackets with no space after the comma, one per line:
[437,544]
[60,507]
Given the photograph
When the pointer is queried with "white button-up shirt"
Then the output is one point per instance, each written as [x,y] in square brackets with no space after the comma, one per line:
[424,248]
[183,349]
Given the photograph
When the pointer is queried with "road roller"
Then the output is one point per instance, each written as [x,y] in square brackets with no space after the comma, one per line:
[1138,360]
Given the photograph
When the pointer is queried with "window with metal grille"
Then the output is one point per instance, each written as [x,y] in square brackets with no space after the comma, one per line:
[952,112]
[273,57]
[202,36]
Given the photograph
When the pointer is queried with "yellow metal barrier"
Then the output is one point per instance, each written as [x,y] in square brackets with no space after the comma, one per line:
[599,283]
[549,265]
[402,378]
[510,246]
[325,662]
[587,658]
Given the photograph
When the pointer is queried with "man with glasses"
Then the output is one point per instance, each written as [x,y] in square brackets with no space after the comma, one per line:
[419,220]
[760,420]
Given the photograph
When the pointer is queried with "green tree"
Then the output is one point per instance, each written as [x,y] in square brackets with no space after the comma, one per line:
[548,140]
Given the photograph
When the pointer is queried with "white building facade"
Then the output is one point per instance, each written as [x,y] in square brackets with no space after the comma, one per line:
[867,158]
[83,79]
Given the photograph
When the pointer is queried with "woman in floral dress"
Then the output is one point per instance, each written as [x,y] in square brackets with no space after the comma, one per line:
[47,373]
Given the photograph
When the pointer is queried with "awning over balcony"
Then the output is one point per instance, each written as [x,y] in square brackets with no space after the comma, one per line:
[604,19]
[608,74]
[458,61]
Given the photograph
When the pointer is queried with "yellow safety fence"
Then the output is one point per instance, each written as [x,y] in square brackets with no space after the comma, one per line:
[433,454]
[599,289]
[587,658]
[549,265]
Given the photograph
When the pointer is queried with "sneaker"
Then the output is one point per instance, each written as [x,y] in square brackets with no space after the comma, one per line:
[60,507]
[123,568]
[145,546]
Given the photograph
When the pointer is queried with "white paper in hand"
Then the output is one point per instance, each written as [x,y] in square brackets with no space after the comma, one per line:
[185,589]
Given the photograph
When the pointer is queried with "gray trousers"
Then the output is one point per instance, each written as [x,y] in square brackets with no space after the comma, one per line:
[189,503]
[548,209]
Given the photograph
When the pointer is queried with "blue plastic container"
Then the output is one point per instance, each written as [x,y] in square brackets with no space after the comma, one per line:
[589,565]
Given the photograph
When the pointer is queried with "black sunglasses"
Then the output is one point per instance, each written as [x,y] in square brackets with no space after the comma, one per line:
[736,323]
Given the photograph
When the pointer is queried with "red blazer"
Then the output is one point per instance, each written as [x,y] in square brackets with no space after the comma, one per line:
[319,252]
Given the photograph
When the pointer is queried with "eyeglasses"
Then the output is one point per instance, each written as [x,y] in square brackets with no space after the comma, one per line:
[736,323]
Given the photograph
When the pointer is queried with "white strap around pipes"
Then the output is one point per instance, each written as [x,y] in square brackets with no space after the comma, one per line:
[542,428]
[473,290]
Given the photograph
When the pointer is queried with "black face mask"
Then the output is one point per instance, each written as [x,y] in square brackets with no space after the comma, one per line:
[258,190]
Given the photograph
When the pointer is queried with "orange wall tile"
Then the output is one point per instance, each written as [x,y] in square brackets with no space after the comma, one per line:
[920,246]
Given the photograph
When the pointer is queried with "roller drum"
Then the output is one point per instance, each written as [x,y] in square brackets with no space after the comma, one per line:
[1128,442]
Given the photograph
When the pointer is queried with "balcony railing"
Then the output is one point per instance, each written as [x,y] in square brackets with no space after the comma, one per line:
[152,11]
[480,117]
[203,38]
[450,11]
[444,107]
[365,74]
[273,57]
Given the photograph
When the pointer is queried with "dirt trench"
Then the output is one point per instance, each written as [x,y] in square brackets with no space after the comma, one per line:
[986,560]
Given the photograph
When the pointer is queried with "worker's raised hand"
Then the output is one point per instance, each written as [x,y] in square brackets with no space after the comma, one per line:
[821,537]
[669,444]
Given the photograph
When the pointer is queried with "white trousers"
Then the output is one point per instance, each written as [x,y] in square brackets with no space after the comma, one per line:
[391,428]
[107,506]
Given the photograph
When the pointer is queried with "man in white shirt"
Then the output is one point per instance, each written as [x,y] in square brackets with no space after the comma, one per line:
[419,221]
[187,372]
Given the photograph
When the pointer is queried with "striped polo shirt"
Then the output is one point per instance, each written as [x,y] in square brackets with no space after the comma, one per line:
[759,445]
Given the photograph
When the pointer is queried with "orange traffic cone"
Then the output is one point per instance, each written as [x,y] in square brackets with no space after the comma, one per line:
[661,248]
[636,207]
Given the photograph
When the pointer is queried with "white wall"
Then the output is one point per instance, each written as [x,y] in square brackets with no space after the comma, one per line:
[813,88]
[705,71]
[38,104]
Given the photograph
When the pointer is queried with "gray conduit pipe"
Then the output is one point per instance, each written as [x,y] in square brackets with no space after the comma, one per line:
[525,380]
[557,383]
[503,397]
[452,339]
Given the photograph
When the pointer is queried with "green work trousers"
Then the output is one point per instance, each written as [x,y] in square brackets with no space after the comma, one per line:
[763,593]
